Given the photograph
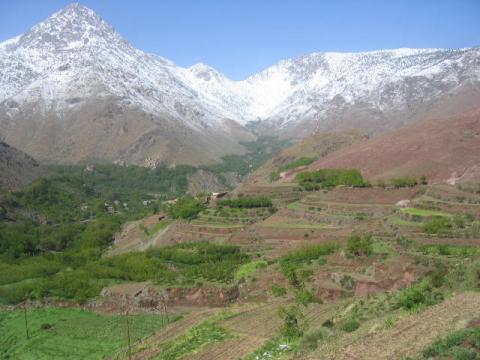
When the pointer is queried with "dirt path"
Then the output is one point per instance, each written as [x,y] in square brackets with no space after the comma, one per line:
[412,334]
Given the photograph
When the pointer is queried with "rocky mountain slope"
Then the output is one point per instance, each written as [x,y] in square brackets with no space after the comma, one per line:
[316,146]
[442,149]
[17,168]
[72,88]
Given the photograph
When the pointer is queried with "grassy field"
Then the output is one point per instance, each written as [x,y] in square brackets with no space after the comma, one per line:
[57,333]
[425,213]
[298,226]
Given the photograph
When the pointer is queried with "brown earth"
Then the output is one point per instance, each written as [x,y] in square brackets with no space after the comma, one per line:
[441,149]
[411,334]
[18,169]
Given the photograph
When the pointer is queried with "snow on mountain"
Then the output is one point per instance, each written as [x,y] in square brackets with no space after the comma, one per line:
[75,61]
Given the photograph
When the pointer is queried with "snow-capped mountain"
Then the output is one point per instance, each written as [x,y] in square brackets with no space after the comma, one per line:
[327,90]
[73,88]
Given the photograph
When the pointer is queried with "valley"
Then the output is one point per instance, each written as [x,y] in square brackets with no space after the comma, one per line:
[271,270]
[326,207]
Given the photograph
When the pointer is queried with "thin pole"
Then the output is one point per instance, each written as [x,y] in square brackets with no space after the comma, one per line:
[26,321]
[128,336]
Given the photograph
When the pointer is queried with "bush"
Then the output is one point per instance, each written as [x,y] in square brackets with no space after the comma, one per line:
[404,182]
[292,317]
[462,344]
[274,176]
[45,326]
[186,208]
[349,325]
[328,178]
[303,161]
[278,291]
[418,295]
[308,253]
[438,225]
[309,341]
[359,246]
[247,202]
[304,297]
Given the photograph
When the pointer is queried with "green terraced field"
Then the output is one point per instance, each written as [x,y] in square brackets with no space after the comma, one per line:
[425,213]
[57,333]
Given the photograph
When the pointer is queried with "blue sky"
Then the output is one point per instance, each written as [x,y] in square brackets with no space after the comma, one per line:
[241,37]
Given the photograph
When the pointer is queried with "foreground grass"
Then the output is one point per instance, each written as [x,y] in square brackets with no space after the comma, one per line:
[195,339]
[57,333]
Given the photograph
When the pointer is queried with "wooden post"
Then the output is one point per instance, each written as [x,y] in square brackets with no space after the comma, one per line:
[128,336]
[26,321]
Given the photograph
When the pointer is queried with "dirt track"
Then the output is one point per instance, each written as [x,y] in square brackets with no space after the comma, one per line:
[413,333]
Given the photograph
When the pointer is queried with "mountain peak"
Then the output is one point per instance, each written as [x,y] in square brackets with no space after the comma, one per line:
[72,27]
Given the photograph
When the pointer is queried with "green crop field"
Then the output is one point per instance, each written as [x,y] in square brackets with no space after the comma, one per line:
[71,333]
[425,213]
[299,226]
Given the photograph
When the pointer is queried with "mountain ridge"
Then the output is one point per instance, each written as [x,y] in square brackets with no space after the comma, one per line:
[74,67]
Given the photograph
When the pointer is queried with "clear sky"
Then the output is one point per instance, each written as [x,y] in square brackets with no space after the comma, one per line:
[241,37]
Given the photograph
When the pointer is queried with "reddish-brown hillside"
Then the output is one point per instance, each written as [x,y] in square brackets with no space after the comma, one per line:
[441,149]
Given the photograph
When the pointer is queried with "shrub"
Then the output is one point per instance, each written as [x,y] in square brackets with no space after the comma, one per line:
[274,176]
[438,225]
[247,202]
[309,341]
[403,182]
[328,178]
[292,317]
[278,291]
[459,345]
[418,295]
[349,325]
[45,326]
[308,253]
[359,246]
[186,208]
[303,161]
[304,297]
[458,221]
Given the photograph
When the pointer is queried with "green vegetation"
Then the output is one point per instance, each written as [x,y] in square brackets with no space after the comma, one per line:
[309,253]
[187,208]
[438,225]
[360,245]
[293,322]
[329,178]
[349,325]
[404,182]
[299,226]
[304,297]
[420,294]
[424,213]
[258,152]
[310,339]
[451,250]
[303,161]
[278,291]
[274,348]
[462,344]
[272,177]
[193,340]
[292,263]
[249,268]
[80,276]
[247,202]
[71,334]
